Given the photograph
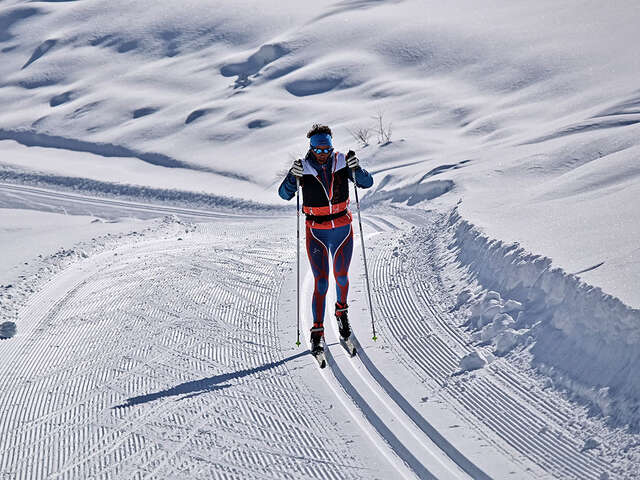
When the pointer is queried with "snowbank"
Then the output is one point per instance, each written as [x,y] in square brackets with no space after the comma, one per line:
[135,192]
[585,339]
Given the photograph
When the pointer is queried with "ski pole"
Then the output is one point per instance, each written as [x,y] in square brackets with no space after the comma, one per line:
[298,261]
[364,255]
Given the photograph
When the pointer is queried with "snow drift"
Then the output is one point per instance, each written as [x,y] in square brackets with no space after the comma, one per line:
[585,339]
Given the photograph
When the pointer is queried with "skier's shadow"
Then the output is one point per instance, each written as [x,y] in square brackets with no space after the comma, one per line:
[204,385]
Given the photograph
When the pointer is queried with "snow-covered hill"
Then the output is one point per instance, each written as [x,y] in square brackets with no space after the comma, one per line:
[516,123]
[539,101]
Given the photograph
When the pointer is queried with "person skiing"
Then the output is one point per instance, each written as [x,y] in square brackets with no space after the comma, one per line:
[324,176]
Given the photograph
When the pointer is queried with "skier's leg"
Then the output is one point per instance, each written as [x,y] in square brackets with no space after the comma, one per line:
[342,249]
[318,254]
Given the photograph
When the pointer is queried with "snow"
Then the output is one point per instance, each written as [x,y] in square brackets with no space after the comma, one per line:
[472,361]
[7,330]
[27,234]
[511,172]
[585,333]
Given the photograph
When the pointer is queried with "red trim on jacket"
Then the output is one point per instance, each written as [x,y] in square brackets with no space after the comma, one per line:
[338,222]
[328,210]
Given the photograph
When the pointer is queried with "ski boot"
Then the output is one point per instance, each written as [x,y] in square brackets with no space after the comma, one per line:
[343,320]
[344,328]
[317,347]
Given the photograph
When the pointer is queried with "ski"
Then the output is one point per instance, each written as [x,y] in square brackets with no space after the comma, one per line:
[348,346]
[320,358]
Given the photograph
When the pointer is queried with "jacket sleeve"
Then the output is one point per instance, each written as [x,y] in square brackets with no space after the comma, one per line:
[288,187]
[363,178]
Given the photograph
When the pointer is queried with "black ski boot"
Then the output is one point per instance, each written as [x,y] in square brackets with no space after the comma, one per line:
[344,328]
[317,347]
[343,320]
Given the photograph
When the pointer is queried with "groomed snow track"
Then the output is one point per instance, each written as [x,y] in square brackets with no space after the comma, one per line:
[421,329]
[388,415]
[81,204]
[162,360]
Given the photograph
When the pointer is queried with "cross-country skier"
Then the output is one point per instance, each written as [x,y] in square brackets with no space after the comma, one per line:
[324,177]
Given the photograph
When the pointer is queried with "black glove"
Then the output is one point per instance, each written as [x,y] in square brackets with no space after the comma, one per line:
[352,160]
[296,169]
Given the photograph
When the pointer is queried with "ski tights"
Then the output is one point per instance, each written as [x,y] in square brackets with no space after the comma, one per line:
[338,241]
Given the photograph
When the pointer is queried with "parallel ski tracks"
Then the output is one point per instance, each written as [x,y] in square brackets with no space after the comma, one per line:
[66,414]
[430,342]
[69,199]
[384,411]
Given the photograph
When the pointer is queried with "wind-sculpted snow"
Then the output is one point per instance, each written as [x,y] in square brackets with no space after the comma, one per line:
[10,17]
[33,139]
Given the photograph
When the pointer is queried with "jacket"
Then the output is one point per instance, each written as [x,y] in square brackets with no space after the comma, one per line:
[328,198]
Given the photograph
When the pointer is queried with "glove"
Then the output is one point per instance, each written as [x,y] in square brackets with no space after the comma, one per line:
[352,160]
[296,168]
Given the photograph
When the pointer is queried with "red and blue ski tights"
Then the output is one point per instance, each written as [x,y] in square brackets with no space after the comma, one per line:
[338,241]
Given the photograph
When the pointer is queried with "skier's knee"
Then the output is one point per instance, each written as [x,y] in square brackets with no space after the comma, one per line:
[322,285]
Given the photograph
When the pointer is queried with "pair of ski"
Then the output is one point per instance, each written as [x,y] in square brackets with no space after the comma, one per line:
[347,344]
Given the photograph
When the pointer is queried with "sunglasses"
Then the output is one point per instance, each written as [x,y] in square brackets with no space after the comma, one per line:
[322,150]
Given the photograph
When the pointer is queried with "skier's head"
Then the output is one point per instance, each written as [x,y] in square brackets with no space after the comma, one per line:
[320,142]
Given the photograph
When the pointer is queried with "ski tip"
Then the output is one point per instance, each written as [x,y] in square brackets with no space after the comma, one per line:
[320,358]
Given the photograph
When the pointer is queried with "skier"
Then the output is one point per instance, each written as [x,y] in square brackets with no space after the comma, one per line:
[324,175]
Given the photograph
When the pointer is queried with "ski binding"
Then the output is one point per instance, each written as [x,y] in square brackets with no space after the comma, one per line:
[348,346]
[320,358]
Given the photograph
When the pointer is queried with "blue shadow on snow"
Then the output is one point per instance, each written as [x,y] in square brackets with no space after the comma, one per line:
[198,387]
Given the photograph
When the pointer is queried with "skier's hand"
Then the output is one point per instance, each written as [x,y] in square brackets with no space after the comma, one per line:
[352,160]
[296,168]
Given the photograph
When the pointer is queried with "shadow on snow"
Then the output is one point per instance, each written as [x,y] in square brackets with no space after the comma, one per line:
[203,385]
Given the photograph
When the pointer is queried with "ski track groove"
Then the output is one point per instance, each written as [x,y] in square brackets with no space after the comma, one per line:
[113,203]
[496,406]
[511,376]
[122,441]
[508,374]
[44,436]
[408,432]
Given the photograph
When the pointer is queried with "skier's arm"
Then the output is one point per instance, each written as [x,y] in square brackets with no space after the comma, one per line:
[288,187]
[363,179]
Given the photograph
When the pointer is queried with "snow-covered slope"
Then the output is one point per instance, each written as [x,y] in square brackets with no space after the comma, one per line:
[518,121]
[538,100]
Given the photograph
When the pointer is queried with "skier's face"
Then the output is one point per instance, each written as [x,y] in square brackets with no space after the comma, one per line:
[322,152]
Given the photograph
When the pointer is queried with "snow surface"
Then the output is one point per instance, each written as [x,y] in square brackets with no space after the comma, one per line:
[516,125]
[534,107]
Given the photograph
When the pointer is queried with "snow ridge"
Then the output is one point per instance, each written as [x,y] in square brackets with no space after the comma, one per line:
[30,138]
[98,188]
[586,339]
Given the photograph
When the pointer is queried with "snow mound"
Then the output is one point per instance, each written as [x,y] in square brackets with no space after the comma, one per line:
[472,361]
[7,330]
[586,340]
